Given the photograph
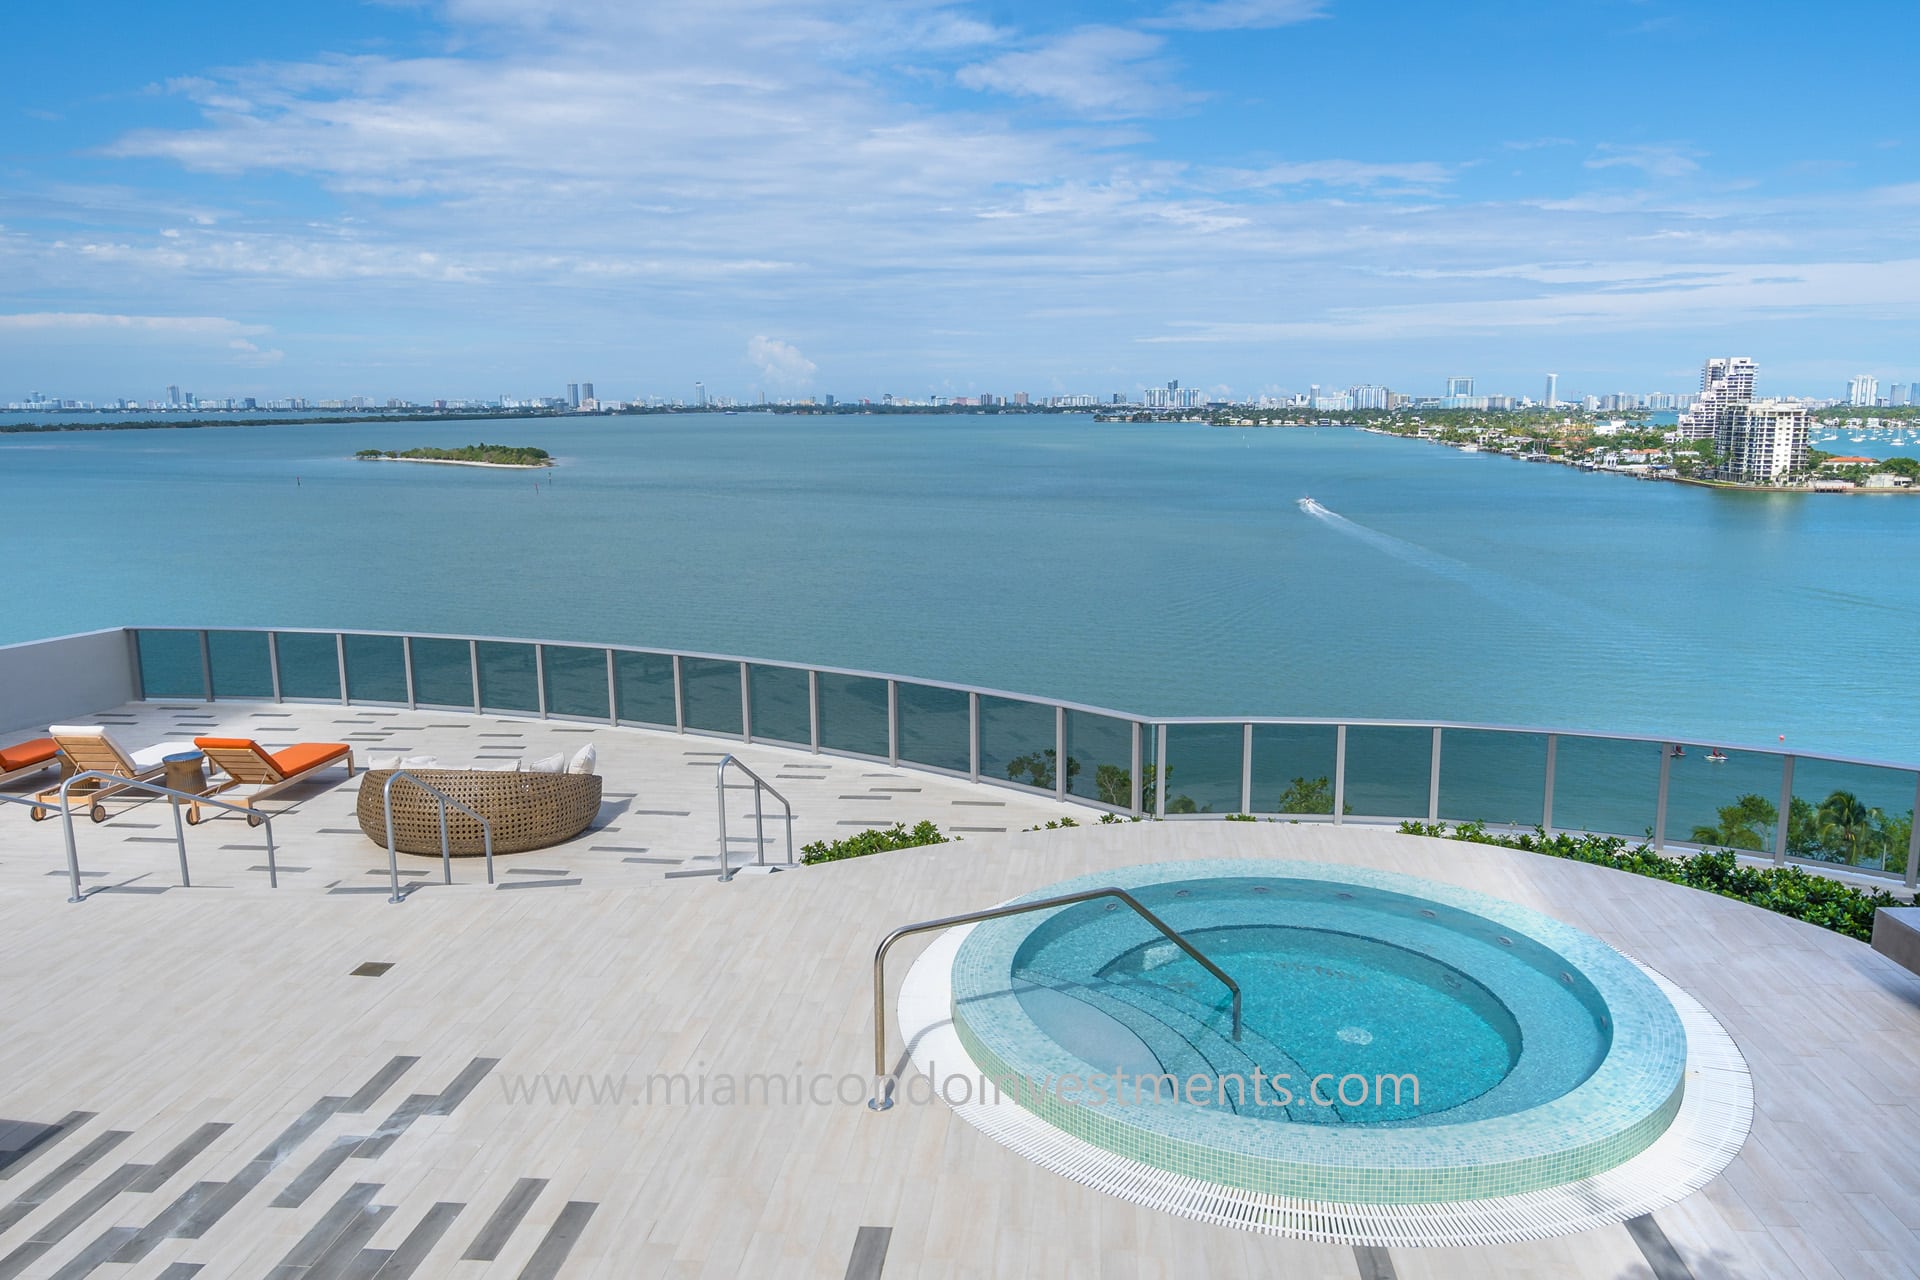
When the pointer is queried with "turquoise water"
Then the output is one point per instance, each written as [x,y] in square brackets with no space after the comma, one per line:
[1337,981]
[1164,570]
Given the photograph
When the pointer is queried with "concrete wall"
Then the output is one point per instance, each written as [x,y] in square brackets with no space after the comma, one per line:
[64,680]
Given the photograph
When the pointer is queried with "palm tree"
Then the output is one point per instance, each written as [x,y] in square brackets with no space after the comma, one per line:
[1846,826]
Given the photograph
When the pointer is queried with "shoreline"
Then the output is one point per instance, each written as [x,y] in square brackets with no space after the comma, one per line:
[457,462]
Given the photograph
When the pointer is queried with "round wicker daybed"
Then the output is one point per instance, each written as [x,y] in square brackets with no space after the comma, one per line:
[527,810]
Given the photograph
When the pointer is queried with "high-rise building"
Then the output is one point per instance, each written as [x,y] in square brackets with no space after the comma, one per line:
[586,391]
[700,394]
[1863,390]
[1724,381]
[1370,397]
[1896,395]
[173,395]
[1553,391]
[573,395]
[1762,439]
[1459,387]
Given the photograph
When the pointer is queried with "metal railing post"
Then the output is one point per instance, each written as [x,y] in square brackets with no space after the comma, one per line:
[746,704]
[340,657]
[393,855]
[444,802]
[273,664]
[540,678]
[759,826]
[1913,840]
[1785,813]
[1546,800]
[1660,801]
[1246,768]
[760,786]
[973,736]
[180,839]
[1060,769]
[1339,774]
[473,669]
[613,690]
[406,660]
[446,845]
[813,709]
[884,1078]
[679,698]
[1136,775]
[73,859]
[1160,772]
[893,722]
[1433,780]
[206,666]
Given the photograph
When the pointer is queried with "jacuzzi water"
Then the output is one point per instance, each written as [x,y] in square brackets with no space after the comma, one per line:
[1336,980]
[1402,1041]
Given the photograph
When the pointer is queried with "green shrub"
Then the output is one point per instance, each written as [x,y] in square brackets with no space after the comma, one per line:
[1790,891]
[877,840]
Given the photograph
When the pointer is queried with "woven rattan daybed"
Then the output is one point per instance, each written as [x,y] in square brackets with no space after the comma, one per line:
[527,810]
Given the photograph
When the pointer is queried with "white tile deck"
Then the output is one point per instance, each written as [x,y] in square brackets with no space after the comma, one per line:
[229,1003]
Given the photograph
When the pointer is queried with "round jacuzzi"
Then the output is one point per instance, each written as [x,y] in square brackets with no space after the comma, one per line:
[1400,1041]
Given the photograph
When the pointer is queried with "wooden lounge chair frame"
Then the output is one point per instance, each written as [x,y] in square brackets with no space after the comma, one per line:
[247,763]
[94,750]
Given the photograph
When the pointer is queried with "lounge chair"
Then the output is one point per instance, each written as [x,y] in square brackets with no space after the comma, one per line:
[247,763]
[91,748]
[28,758]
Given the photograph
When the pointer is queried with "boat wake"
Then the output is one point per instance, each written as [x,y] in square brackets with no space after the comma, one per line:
[1542,607]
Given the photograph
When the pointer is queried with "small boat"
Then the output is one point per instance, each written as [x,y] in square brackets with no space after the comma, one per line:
[1678,752]
[1716,756]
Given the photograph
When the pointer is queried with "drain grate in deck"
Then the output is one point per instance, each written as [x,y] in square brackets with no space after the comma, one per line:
[372,969]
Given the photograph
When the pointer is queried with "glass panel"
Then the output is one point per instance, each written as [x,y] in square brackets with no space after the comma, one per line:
[1203,769]
[1727,799]
[781,711]
[1100,758]
[1493,777]
[1606,785]
[711,689]
[1851,813]
[508,678]
[853,715]
[170,665]
[1293,768]
[644,685]
[442,673]
[1017,741]
[242,668]
[309,665]
[934,726]
[576,681]
[1388,770]
[376,669]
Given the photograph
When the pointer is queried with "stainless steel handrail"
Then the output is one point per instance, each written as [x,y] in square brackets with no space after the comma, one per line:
[123,783]
[446,849]
[885,1077]
[759,817]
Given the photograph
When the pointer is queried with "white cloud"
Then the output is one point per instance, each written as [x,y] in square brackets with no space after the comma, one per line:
[1661,160]
[172,326]
[780,363]
[1105,72]
[1238,15]
[1342,173]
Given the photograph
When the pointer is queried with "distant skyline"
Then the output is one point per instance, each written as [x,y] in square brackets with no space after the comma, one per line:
[465,198]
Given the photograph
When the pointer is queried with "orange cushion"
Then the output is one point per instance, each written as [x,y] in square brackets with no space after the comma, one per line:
[39,751]
[234,744]
[303,756]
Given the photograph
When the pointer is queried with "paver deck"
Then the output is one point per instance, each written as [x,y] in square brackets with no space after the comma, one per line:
[200,1080]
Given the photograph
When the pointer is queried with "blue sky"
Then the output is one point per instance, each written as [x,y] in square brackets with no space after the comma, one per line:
[477,197]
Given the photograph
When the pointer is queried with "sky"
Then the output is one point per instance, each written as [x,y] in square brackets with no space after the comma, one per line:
[471,198]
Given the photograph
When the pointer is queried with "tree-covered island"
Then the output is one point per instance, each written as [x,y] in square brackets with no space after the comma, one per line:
[473,455]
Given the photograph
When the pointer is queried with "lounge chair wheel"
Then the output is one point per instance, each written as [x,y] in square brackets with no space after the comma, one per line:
[98,813]
[193,817]
[254,819]
[38,814]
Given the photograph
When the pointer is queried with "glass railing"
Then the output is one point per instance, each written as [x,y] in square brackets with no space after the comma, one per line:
[1788,806]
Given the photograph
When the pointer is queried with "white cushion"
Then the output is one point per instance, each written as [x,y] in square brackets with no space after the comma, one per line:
[77,731]
[555,763]
[383,759]
[420,762]
[583,760]
[150,757]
